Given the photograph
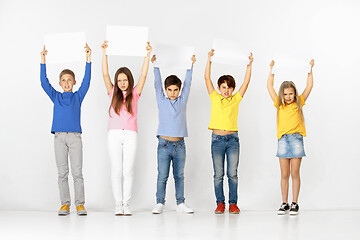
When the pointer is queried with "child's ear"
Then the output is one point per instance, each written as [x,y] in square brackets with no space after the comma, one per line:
[74,81]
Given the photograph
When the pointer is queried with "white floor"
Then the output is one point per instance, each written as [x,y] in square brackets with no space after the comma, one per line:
[171,225]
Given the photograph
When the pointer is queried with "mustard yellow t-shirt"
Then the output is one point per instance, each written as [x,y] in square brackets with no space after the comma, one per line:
[224,111]
[289,122]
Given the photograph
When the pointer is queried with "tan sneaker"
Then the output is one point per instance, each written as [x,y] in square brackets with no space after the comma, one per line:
[64,210]
[81,210]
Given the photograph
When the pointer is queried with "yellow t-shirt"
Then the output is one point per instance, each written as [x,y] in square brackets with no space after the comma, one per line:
[224,111]
[289,122]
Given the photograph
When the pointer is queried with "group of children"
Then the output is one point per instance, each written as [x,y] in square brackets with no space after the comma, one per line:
[172,129]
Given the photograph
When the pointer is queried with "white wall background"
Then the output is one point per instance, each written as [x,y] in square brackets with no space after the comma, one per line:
[324,30]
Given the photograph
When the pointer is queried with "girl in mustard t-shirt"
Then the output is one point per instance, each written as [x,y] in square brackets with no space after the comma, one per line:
[290,133]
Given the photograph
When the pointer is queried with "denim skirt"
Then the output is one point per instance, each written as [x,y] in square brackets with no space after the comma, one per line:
[291,146]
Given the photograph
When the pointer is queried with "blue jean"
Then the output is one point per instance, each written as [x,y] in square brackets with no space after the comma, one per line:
[170,151]
[291,146]
[220,146]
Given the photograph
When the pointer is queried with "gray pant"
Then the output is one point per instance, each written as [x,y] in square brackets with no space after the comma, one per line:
[69,143]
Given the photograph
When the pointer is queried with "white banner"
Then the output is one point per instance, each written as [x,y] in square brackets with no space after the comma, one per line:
[65,47]
[228,52]
[126,41]
[172,56]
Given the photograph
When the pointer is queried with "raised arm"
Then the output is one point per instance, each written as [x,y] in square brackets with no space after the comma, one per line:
[144,70]
[45,84]
[187,83]
[105,69]
[208,83]
[43,54]
[86,80]
[270,82]
[309,83]
[246,82]
[157,80]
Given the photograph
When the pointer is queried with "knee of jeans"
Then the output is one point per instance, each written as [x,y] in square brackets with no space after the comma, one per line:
[232,175]
[218,176]
[179,177]
[162,178]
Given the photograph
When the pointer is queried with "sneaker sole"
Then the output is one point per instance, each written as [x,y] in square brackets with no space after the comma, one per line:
[63,214]
[282,212]
[82,214]
[293,213]
[218,212]
[185,212]
[234,212]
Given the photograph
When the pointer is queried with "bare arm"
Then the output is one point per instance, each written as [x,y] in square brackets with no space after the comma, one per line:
[309,83]
[144,70]
[270,82]
[246,82]
[209,85]
[105,70]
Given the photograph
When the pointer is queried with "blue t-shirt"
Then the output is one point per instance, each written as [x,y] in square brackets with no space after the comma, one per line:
[67,105]
[172,113]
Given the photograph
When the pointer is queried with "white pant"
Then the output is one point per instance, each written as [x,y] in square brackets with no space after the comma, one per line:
[122,150]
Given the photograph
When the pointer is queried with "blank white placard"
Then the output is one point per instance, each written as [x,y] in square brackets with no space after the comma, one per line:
[65,47]
[287,68]
[126,41]
[228,52]
[173,56]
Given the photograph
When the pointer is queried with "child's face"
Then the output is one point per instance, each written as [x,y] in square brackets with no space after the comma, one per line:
[225,91]
[122,82]
[172,92]
[289,95]
[67,82]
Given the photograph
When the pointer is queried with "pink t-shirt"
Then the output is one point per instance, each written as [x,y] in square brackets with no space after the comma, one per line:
[125,120]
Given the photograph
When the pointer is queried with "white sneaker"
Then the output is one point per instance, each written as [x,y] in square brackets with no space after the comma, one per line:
[127,211]
[158,208]
[119,209]
[183,208]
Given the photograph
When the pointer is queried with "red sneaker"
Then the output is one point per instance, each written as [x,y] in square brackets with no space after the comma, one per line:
[220,208]
[234,209]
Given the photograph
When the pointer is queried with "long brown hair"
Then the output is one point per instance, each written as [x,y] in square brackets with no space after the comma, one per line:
[118,97]
[281,101]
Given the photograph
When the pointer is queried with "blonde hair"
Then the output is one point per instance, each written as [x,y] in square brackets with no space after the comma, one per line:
[281,101]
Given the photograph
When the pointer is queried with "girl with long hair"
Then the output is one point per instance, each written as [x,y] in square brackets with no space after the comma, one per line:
[290,133]
[122,128]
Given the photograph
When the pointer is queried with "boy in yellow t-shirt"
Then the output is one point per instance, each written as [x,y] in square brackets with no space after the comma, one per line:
[225,140]
[290,133]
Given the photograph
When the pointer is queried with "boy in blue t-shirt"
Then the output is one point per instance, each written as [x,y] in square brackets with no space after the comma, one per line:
[171,132]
